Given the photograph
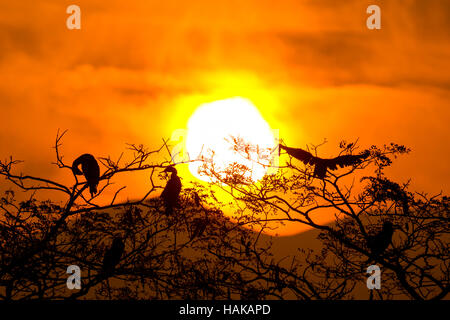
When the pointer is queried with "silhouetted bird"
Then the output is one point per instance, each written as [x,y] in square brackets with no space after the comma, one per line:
[172,190]
[378,243]
[112,256]
[322,165]
[90,170]
[197,200]
[199,227]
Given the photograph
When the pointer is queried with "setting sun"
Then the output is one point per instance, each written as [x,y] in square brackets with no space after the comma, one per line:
[211,132]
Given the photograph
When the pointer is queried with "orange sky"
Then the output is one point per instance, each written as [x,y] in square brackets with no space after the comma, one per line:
[137,69]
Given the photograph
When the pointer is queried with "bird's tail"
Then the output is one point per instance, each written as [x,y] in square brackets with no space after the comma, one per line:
[93,189]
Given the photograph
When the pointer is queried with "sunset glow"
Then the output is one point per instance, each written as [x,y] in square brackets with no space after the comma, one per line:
[223,151]
[213,126]
[137,73]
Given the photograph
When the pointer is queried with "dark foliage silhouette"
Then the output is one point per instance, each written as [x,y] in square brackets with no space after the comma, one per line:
[384,189]
[322,165]
[171,192]
[90,169]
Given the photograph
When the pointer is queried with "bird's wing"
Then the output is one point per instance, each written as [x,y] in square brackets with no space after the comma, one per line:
[200,226]
[172,189]
[95,169]
[177,183]
[347,160]
[197,200]
[164,193]
[300,154]
[90,168]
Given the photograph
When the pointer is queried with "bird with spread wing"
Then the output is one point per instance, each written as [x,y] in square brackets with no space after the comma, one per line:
[321,166]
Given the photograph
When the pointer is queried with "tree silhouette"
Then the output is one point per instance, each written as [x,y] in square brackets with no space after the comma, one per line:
[199,253]
[415,265]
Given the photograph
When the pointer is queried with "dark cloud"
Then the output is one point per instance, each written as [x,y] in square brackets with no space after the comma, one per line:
[18,39]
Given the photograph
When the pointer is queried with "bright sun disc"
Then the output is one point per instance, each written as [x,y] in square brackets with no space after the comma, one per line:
[210,131]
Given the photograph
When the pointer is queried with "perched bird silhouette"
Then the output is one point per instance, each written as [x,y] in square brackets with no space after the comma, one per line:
[199,227]
[196,198]
[322,165]
[90,170]
[379,242]
[112,256]
[172,190]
